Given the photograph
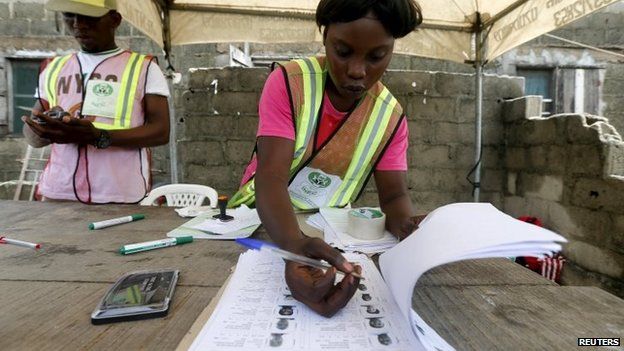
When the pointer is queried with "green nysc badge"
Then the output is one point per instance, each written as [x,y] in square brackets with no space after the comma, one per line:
[101,98]
[103,89]
[318,181]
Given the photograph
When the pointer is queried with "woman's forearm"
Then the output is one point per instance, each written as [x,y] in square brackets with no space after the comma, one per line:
[275,209]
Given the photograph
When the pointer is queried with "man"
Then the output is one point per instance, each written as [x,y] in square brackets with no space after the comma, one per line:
[101,109]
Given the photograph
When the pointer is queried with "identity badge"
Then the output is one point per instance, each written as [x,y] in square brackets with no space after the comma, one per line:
[101,98]
[314,187]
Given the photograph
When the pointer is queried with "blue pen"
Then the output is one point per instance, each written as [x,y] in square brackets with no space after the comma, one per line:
[264,246]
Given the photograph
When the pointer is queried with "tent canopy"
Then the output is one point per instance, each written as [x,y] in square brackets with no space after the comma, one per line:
[470,31]
[449,30]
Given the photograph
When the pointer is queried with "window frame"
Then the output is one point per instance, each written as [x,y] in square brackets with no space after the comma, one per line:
[10,66]
[553,85]
[560,102]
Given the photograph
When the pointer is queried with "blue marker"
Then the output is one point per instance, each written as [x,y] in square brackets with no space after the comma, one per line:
[264,246]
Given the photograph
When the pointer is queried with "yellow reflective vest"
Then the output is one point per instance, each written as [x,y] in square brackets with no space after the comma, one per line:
[353,150]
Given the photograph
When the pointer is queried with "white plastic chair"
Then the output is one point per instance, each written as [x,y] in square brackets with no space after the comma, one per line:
[182,195]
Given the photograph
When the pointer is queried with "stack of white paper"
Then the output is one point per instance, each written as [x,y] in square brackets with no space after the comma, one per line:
[257,312]
[453,233]
[204,226]
[335,222]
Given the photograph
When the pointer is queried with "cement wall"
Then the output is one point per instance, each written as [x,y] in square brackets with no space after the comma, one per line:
[218,120]
[569,171]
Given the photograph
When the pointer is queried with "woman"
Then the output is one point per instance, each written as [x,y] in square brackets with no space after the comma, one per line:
[343,126]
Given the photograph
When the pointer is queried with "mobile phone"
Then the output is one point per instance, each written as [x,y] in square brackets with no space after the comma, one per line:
[56,115]
[137,295]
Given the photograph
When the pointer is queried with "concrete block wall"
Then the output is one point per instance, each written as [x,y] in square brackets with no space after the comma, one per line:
[217,117]
[11,151]
[613,97]
[603,28]
[568,170]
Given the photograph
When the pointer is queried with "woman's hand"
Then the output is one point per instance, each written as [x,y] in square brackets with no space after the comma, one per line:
[396,204]
[316,288]
[408,225]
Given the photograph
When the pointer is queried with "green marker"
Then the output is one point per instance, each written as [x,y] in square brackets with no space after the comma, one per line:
[115,221]
[156,244]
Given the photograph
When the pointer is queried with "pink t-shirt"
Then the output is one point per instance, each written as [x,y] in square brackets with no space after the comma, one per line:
[276,121]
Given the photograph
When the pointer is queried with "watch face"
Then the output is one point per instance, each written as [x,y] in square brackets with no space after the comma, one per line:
[103,141]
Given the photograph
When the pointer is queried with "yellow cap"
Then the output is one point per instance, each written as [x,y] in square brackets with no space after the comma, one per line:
[91,8]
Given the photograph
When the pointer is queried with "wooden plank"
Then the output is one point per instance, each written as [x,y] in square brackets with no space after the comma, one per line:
[592,91]
[492,271]
[57,316]
[23,215]
[484,304]
[72,252]
[519,317]
[565,90]
[68,241]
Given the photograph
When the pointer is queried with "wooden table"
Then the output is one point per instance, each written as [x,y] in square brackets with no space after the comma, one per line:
[49,294]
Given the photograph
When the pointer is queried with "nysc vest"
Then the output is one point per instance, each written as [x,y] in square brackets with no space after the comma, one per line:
[335,173]
[82,172]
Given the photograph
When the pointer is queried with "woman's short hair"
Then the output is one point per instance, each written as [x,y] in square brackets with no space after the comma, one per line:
[399,17]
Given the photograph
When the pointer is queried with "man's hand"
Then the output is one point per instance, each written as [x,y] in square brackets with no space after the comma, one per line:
[316,288]
[64,131]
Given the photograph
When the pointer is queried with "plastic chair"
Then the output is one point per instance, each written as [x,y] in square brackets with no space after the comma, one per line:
[182,195]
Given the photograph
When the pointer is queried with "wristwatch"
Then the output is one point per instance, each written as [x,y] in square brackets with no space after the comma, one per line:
[103,141]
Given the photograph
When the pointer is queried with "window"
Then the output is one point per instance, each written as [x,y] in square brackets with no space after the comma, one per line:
[23,83]
[565,89]
[579,90]
[539,82]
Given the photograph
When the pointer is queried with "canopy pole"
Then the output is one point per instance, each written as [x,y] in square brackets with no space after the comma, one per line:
[478,128]
[170,75]
[173,139]
[478,107]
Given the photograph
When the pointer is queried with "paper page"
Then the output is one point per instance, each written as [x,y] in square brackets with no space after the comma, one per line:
[187,229]
[194,211]
[316,221]
[331,237]
[427,336]
[243,217]
[455,232]
[258,313]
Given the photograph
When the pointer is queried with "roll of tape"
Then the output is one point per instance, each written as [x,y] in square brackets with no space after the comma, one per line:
[367,223]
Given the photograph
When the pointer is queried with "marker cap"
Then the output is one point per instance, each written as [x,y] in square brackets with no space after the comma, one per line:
[136,217]
[253,243]
[184,240]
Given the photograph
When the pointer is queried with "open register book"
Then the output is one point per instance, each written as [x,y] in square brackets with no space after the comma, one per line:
[257,311]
